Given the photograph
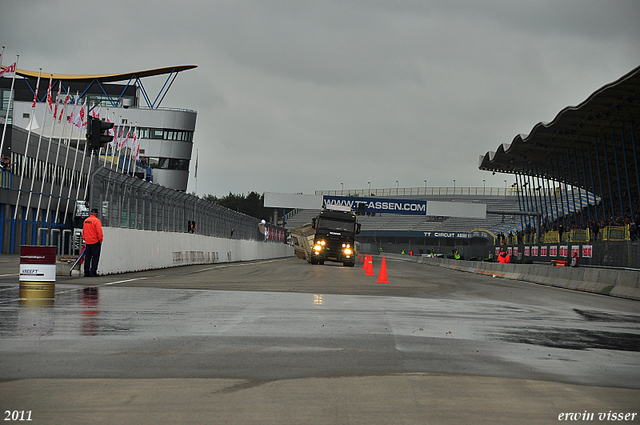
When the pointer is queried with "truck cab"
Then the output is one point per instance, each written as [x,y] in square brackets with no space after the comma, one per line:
[336,228]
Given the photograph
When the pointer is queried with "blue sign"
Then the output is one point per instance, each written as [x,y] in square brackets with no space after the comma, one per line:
[378,205]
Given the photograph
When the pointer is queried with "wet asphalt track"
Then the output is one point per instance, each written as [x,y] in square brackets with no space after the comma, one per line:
[285,321]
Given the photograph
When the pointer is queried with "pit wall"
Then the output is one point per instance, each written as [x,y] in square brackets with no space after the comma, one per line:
[614,282]
[129,250]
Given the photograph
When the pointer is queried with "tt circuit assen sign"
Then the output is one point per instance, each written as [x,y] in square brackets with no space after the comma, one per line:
[377,205]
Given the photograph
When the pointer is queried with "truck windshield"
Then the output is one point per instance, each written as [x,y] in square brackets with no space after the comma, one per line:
[338,225]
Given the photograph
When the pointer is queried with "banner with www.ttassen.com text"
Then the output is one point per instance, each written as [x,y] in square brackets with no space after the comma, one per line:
[377,205]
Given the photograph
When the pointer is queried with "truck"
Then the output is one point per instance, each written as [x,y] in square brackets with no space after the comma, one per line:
[329,237]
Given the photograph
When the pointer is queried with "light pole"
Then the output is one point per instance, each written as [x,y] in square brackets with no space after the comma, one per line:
[484,186]
[454,186]
[369,183]
[341,188]
[397,187]
[425,187]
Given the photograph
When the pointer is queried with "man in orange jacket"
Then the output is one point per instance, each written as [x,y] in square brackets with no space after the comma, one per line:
[92,235]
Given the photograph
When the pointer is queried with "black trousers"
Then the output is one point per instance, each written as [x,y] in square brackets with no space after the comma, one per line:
[91,258]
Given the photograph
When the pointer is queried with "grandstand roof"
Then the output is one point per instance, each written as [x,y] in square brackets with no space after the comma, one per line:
[606,117]
[106,78]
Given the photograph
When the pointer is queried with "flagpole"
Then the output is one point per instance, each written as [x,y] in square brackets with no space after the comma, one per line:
[86,186]
[35,170]
[1,55]
[131,144]
[115,146]
[46,160]
[4,130]
[67,142]
[125,145]
[75,157]
[114,142]
[26,147]
[134,155]
[119,136]
[53,179]
[107,148]
[196,176]
[84,155]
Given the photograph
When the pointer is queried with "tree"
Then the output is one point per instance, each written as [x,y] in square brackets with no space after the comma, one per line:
[252,204]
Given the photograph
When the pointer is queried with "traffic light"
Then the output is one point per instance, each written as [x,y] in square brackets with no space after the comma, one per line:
[98,132]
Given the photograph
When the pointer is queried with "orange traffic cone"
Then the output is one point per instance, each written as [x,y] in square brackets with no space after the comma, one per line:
[365,262]
[369,267]
[382,278]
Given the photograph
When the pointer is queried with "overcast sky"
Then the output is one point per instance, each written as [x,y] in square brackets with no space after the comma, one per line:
[297,96]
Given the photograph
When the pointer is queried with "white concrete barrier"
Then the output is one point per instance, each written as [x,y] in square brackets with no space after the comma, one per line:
[615,282]
[127,250]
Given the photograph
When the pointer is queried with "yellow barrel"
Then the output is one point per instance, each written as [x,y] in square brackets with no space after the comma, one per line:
[37,290]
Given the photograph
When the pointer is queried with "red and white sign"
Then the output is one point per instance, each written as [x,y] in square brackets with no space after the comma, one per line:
[575,249]
[564,251]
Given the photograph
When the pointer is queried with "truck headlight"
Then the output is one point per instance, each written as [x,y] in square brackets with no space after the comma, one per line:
[317,247]
[347,251]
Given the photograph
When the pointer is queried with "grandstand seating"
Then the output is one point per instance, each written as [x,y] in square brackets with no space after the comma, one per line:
[494,223]
[421,223]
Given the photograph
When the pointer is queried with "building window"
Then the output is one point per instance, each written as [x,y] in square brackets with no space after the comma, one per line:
[168,163]
[162,134]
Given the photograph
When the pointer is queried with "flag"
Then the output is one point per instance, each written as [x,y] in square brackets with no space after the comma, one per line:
[83,117]
[55,111]
[136,145]
[124,140]
[9,71]
[49,101]
[66,100]
[116,137]
[72,117]
[112,133]
[80,258]
[80,120]
[96,113]
[35,94]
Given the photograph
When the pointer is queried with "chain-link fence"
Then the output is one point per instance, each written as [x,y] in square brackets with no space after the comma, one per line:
[128,202]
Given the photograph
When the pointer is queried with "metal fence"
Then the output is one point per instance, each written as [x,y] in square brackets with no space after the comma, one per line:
[128,202]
